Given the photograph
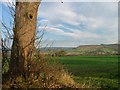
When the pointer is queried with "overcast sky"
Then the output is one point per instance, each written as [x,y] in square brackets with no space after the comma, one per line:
[71,24]
[78,23]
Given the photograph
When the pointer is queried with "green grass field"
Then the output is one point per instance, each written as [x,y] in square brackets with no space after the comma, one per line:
[93,71]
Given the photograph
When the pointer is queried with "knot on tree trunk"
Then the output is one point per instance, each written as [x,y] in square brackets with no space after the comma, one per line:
[30,15]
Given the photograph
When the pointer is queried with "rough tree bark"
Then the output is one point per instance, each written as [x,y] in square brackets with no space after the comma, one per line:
[22,53]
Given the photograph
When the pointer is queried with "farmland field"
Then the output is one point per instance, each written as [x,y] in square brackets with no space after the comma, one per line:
[93,71]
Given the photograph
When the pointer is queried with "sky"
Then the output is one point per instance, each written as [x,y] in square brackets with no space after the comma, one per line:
[71,24]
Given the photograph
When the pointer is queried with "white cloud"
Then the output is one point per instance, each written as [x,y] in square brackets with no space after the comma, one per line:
[82,21]
[56,31]
[76,34]
[80,0]
[95,22]
[6,0]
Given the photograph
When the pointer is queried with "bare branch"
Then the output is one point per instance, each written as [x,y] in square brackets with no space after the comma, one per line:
[10,35]
[41,36]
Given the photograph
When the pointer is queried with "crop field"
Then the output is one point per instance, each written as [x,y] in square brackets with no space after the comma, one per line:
[93,71]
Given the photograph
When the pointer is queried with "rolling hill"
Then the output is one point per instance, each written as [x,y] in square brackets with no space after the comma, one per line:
[103,49]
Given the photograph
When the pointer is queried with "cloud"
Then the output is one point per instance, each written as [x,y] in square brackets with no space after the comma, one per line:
[75,34]
[80,22]
[6,0]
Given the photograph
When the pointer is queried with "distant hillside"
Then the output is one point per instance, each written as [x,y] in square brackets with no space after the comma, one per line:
[55,48]
[103,49]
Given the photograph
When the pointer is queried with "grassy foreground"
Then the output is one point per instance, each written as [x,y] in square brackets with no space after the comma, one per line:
[93,71]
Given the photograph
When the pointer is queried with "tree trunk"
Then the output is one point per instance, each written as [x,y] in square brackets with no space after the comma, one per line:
[22,53]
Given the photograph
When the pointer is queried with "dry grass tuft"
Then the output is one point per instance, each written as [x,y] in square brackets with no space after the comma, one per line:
[66,79]
[46,73]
